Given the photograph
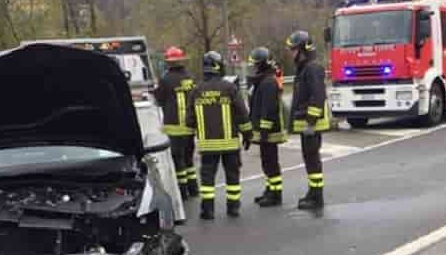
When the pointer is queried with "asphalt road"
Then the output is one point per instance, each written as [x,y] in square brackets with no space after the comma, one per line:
[380,195]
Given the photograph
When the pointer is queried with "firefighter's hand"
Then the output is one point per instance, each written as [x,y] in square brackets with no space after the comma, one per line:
[263,136]
[308,131]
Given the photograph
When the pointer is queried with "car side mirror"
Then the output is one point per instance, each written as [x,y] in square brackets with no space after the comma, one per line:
[327,34]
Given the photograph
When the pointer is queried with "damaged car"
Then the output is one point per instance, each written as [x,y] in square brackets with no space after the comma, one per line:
[75,177]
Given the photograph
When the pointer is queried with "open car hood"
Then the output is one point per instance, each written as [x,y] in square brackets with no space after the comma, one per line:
[55,95]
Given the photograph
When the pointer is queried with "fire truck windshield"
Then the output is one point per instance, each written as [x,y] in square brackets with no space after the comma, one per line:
[387,27]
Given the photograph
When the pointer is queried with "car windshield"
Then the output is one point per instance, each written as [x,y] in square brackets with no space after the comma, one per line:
[372,28]
[51,154]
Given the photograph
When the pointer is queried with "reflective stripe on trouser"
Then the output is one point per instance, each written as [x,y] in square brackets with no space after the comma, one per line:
[178,151]
[233,192]
[275,183]
[182,176]
[269,155]
[316,180]
[207,192]
[191,173]
[208,171]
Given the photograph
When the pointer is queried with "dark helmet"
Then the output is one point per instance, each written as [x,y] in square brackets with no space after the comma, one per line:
[300,40]
[213,63]
[261,58]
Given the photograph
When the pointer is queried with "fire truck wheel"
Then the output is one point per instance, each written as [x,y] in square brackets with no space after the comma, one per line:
[436,107]
[357,122]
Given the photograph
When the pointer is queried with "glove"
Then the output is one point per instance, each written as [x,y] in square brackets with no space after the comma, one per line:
[311,120]
[308,131]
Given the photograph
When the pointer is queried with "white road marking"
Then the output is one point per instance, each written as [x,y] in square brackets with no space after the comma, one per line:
[421,243]
[327,148]
[391,132]
[409,248]
[368,148]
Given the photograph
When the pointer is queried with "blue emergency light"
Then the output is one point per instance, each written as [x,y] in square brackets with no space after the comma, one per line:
[382,70]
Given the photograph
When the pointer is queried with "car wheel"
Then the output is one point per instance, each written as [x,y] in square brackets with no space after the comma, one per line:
[436,107]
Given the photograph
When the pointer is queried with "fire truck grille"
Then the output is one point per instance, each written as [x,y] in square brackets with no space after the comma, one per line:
[367,71]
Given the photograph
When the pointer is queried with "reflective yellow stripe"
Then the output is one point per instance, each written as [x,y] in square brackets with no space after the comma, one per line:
[207,189]
[191,173]
[233,197]
[226,115]
[316,176]
[182,173]
[187,84]
[182,176]
[275,179]
[245,127]
[277,137]
[181,104]
[233,188]
[281,113]
[321,124]
[275,183]
[314,111]
[200,121]
[177,130]
[218,144]
[207,192]
[275,187]
[207,196]
[314,184]
[266,124]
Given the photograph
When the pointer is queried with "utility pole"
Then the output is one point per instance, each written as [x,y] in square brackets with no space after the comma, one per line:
[225,19]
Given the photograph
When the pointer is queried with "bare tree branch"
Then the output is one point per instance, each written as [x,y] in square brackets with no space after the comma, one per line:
[10,23]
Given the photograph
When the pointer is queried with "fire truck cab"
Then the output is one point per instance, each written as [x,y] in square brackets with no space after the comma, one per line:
[387,60]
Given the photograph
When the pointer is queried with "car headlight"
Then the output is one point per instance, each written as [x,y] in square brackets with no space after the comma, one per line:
[335,96]
[404,95]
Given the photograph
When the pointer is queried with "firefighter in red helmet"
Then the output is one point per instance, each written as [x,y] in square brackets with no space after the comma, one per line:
[172,95]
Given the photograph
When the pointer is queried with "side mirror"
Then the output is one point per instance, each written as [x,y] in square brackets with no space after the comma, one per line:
[327,34]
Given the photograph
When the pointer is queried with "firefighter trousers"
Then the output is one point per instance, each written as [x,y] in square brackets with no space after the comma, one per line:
[208,171]
[182,148]
[269,155]
[311,145]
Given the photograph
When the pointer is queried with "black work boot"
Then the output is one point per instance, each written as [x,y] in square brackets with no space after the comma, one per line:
[313,200]
[272,198]
[258,198]
[192,188]
[184,192]
[232,208]
[207,209]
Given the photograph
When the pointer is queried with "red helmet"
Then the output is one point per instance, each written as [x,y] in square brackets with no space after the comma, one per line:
[174,54]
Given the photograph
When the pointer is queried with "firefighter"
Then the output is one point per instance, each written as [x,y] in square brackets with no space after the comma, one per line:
[309,114]
[172,94]
[267,119]
[218,113]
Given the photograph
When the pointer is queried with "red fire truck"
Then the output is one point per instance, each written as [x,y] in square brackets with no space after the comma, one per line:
[388,60]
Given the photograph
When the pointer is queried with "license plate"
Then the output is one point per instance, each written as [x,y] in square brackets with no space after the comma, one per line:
[367,97]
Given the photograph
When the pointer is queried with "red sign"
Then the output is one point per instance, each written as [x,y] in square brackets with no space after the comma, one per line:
[234,42]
